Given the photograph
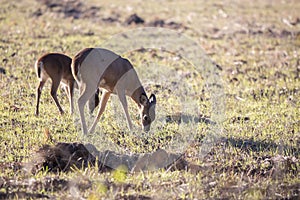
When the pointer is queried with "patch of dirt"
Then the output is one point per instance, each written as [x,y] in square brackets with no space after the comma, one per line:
[132,197]
[76,9]
[26,188]
[22,195]
[110,19]
[68,8]
[2,71]
[64,156]
[185,118]
[251,29]
[262,166]
[60,157]
[13,166]
[134,19]
[166,24]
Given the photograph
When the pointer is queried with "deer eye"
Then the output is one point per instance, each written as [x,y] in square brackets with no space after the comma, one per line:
[145,118]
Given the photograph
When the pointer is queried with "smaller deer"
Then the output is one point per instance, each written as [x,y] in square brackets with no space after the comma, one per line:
[100,68]
[57,67]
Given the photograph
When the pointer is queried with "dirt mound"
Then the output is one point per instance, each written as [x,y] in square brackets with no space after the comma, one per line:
[64,156]
[2,70]
[166,24]
[134,19]
[77,9]
[68,8]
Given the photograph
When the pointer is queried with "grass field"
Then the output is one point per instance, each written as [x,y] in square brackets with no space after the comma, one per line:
[257,48]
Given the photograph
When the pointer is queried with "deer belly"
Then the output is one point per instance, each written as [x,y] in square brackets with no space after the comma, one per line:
[103,84]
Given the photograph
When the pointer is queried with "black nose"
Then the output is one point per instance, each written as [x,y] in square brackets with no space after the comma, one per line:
[147,128]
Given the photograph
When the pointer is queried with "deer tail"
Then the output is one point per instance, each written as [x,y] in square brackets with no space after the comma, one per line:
[38,68]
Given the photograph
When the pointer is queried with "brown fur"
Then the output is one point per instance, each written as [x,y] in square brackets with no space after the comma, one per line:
[120,65]
[79,58]
[57,67]
[111,75]
[54,64]
[102,68]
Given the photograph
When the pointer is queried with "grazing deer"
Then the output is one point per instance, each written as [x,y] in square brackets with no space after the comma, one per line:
[100,68]
[57,67]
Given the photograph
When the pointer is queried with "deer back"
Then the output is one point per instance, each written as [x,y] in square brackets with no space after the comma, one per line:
[104,67]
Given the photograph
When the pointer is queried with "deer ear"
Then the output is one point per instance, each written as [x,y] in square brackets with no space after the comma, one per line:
[143,100]
[152,99]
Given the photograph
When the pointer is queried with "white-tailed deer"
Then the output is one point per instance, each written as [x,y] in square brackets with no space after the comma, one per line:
[57,67]
[100,68]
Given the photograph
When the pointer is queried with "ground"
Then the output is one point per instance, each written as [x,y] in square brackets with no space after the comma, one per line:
[254,47]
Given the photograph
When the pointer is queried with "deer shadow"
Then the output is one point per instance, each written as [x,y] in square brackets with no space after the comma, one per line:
[180,118]
[251,145]
[22,195]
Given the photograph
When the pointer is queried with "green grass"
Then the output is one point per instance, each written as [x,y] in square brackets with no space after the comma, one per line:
[257,156]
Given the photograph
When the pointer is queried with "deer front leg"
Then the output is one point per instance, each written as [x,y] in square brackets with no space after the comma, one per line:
[81,112]
[86,91]
[69,89]
[123,101]
[104,98]
[81,103]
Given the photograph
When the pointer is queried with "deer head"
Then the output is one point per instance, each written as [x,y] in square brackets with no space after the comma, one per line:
[147,110]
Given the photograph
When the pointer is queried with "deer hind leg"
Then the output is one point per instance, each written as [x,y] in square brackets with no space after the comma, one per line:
[94,101]
[123,101]
[38,95]
[69,89]
[86,91]
[104,98]
[54,87]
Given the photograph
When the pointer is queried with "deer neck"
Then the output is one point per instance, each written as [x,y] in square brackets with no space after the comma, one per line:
[136,95]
